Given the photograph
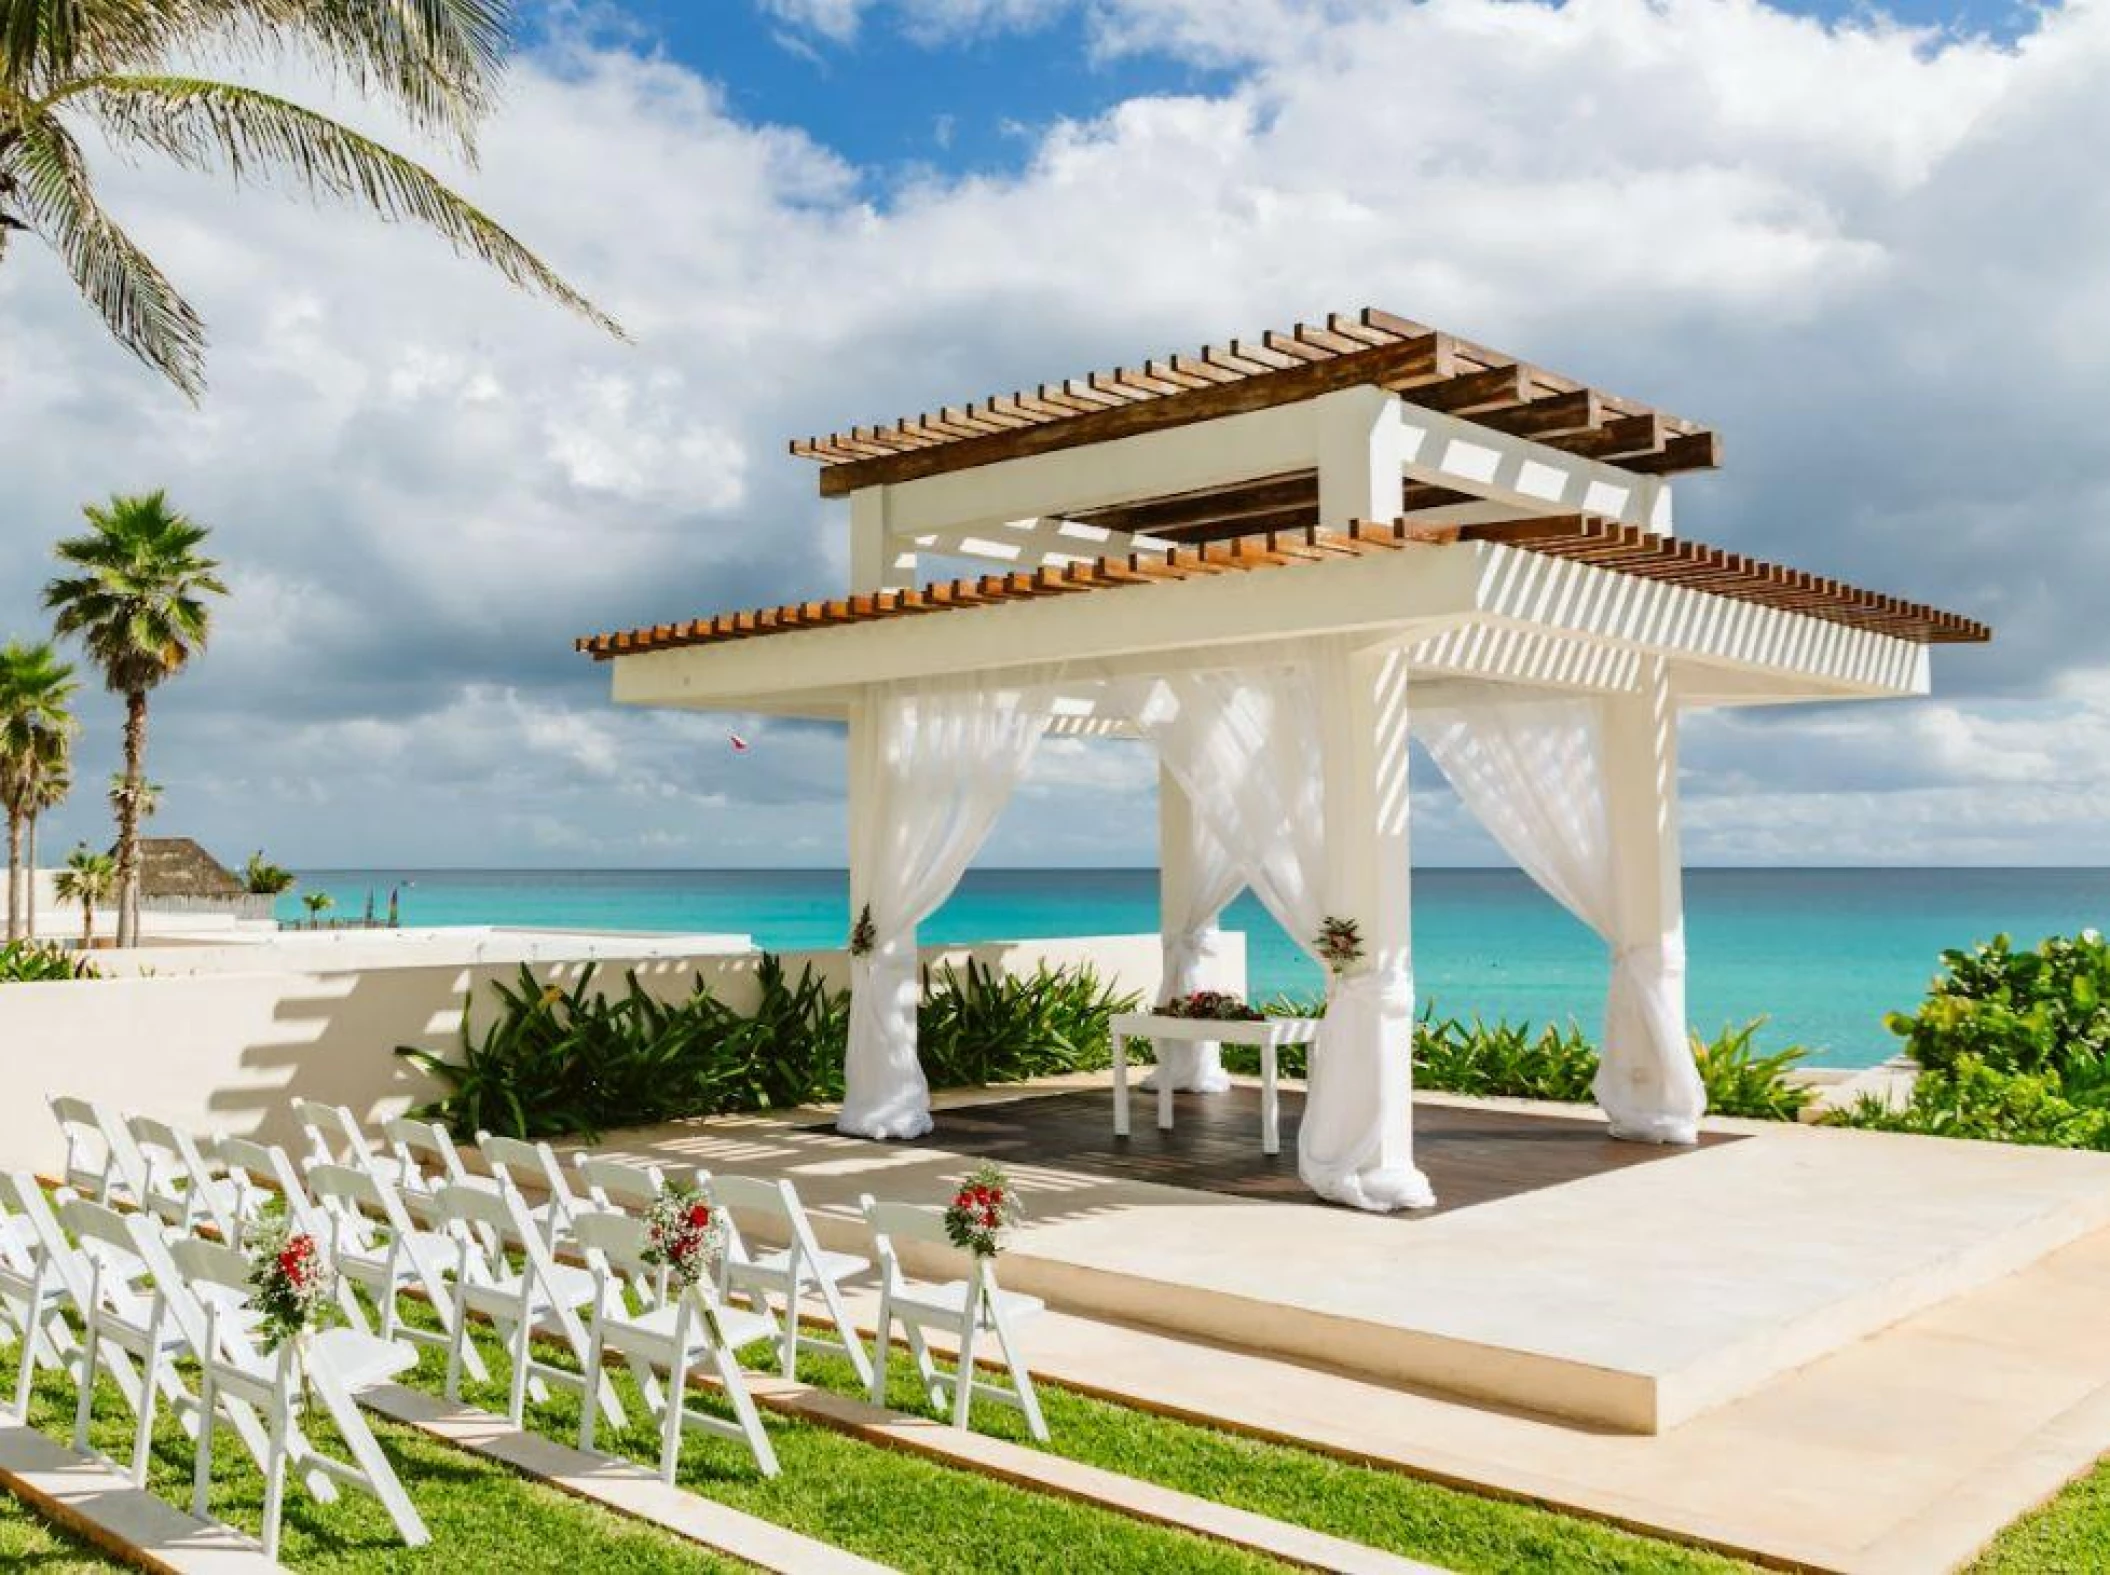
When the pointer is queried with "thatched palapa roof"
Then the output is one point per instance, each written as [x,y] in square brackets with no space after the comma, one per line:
[178,867]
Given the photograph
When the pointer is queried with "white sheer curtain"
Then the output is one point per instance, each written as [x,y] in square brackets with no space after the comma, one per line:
[1250,747]
[931,768]
[1211,878]
[1534,773]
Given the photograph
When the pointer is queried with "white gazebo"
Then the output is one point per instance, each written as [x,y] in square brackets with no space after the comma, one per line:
[1276,561]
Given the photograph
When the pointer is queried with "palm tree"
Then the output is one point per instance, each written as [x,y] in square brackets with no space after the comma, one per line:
[120,68]
[138,605]
[317,903]
[262,878]
[36,735]
[88,878]
[53,788]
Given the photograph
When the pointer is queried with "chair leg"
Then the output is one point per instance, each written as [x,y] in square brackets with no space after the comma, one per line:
[275,1477]
[1021,1379]
[457,1337]
[589,1413]
[373,1464]
[963,1374]
[926,1368]
[882,1349]
[522,1347]
[201,1459]
[671,1419]
[143,1434]
[84,1403]
[794,1285]
[846,1330]
[734,1383]
[26,1374]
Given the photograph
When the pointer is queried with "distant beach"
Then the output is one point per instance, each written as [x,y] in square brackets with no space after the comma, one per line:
[1822,953]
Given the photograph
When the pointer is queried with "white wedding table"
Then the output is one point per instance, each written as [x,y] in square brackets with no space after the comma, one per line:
[1269,1033]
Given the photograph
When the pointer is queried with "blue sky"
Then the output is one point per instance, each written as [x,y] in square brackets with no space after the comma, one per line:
[1823,234]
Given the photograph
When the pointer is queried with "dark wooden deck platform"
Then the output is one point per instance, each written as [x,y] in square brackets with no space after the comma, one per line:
[1471,1156]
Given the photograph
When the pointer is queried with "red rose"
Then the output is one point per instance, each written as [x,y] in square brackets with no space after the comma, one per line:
[699,1216]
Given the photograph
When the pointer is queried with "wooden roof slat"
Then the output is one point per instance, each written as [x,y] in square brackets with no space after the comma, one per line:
[1598,543]
[1496,388]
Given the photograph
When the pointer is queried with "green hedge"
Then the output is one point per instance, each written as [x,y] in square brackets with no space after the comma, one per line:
[2014,1047]
[559,1062]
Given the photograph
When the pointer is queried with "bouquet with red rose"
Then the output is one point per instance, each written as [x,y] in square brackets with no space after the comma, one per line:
[292,1281]
[686,1234]
[983,1212]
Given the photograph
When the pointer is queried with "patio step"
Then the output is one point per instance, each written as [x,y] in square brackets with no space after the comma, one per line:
[102,1507]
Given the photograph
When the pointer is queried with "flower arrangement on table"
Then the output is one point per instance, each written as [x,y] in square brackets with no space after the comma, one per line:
[1216,1006]
[684,1234]
[983,1212]
[292,1281]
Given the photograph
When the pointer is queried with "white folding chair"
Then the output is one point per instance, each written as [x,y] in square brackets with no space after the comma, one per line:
[333,1367]
[102,1162]
[389,1261]
[532,1169]
[334,1138]
[179,1184]
[65,1267]
[125,1314]
[541,1291]
[34,1294]
[802,1264]
[689,1331]
[964,1309]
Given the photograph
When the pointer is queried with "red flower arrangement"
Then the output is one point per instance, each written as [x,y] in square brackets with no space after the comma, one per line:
[983,1212]
[291,1279]
[683,1232]
[1215,1005]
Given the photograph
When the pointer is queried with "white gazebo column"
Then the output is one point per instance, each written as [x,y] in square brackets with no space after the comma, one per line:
[1187,863]
[881,557]
[1356,1142]
[1647,1083]
[885,1094]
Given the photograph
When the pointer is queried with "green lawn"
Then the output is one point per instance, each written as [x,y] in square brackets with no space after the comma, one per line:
[29,1542]
[925,1516]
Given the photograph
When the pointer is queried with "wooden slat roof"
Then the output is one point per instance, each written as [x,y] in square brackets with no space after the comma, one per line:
[1623,549]
[1421,364]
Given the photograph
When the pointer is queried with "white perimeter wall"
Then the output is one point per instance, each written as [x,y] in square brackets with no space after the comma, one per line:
[225,1052]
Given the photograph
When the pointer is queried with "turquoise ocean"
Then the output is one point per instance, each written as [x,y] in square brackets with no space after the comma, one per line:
[1822,953]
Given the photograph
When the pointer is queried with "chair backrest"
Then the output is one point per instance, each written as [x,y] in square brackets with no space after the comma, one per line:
[424,1148]
[262,1171]
[88,1158]
[191,1263]
[107,1243]
[615,1241]
[898,1222]
[347,1196]
[333,1134]
[505,1216]
[529,1165]
[22,1194]
[173,1155]
[126,1166]
[617,1183]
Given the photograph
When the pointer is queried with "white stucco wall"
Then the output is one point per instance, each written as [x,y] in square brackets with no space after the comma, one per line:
[225,1051]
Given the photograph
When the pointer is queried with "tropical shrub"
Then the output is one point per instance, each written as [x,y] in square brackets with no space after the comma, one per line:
[34,962]
[1970,1099]
[1742,1082]
[985,1026]
[2042,1009]
[1514,1061]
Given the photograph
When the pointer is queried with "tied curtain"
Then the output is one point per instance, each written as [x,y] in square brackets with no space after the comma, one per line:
[1534,773]
[1250,748]
[1191,943]
[931,768]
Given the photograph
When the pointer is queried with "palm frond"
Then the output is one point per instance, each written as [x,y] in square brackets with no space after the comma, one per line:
[222,126]
[143,309]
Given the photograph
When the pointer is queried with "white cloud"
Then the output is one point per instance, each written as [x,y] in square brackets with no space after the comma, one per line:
[1871,256]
